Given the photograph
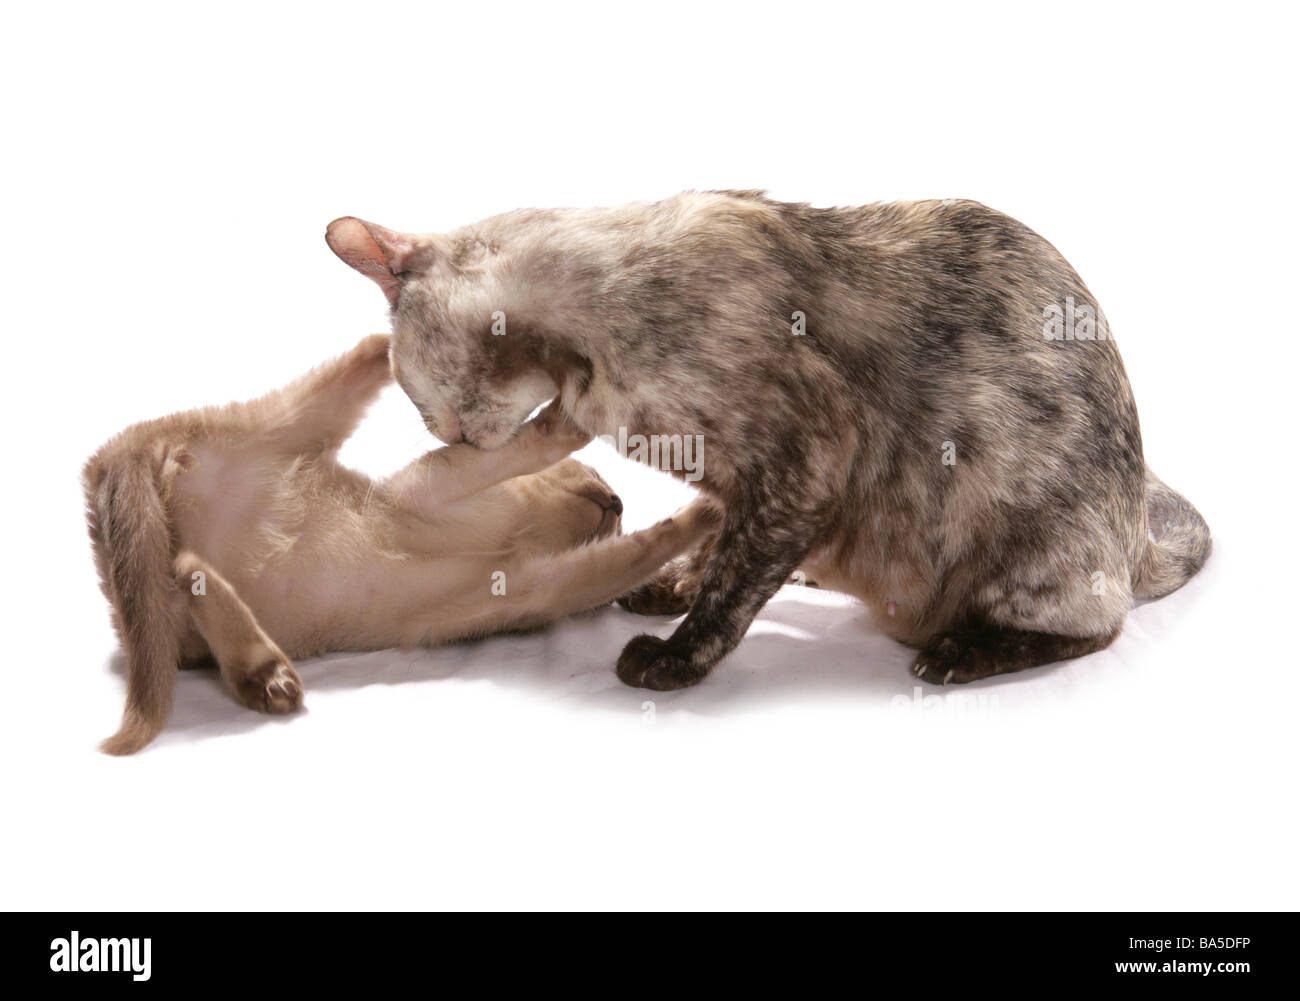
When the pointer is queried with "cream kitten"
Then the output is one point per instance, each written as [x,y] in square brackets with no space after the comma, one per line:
[232,534]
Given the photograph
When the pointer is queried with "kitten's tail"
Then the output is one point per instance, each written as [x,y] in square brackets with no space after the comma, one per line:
[1182,541]
[129,529]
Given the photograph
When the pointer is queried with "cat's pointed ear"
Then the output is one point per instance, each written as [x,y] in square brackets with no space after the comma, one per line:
[382,255]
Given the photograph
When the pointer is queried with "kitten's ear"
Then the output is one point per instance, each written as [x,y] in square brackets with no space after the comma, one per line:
[382,255]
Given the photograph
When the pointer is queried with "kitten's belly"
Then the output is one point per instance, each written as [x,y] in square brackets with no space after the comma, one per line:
[329,590]
[322,571]
[349,585]
[225,503]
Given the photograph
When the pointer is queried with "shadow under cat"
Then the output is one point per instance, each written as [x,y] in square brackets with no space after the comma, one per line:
[805,646]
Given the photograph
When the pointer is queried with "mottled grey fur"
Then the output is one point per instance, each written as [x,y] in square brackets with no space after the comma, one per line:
[924,341]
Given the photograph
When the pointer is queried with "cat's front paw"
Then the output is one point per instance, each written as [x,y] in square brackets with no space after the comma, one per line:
[649,662]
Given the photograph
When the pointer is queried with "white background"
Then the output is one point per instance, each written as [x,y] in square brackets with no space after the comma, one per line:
[167,176]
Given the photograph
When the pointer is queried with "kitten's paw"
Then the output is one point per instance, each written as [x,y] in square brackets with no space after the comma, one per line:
[271,687]
[657,597]
[374,347]
[702,517]
[553,434]
[649,662]
[672,591]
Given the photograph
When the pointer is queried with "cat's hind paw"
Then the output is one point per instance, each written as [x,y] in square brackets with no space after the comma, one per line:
[957,658]
[939,663]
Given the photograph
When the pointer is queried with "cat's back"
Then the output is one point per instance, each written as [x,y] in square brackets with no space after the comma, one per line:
[937,283]
[849,263]
[901,240]
[721,228]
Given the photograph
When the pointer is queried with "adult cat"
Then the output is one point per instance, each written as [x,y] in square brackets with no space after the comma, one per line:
[899,392]
[232,534]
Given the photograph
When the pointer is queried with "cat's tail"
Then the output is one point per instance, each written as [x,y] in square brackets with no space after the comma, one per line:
[1181,541]
[129,529]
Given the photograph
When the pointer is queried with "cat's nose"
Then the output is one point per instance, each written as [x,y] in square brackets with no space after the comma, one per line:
[449,430]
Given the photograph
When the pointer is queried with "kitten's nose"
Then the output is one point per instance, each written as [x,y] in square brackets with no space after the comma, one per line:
[598,492]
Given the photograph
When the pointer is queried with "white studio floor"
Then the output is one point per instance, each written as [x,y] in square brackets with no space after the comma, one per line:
[809,768]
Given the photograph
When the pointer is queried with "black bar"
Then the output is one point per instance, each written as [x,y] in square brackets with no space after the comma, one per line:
[1243,951]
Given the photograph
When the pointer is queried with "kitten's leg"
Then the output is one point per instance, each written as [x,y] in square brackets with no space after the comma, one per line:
[257,672]
[981,651]
[320,411]
[598,572]
[673,589]
[455,472]
[550,587]
[756,551]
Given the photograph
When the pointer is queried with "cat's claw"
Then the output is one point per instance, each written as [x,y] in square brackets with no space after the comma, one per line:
[949,661]
[923,664]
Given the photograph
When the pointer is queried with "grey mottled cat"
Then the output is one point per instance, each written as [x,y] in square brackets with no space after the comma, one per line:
[880,395]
